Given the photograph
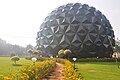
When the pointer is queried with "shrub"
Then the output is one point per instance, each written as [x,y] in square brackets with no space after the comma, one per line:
[96,60]
[15,59]
[61,53]
[67,51]
[70,73]
[35,71]
[38,58]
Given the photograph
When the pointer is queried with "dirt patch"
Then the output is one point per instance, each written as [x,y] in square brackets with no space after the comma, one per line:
[57,74]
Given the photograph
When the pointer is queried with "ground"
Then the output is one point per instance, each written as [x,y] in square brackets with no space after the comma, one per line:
[89,70]
[57,74]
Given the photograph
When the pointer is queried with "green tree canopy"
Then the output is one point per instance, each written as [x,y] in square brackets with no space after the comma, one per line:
[34,52]
[117,45]
[61,52]
[67,51]
[15,59]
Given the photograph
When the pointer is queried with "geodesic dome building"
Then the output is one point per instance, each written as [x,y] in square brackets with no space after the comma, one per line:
[83,29]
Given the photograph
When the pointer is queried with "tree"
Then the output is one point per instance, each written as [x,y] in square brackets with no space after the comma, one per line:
[29,46]
[15,59]
[67,52]
[7,49]
[12,54]
[34,52]
[30,51]
[117,45]
[61,52]
[116,50]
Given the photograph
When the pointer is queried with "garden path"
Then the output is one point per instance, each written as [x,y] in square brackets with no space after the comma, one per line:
[57,74]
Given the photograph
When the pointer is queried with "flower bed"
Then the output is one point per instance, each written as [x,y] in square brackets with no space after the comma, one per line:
[33,72]
[70,73]
[39,70]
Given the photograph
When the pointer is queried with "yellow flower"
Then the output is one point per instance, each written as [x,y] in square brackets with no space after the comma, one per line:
[1,75]
[29,70]
[6,78]
[36,77]
[33,72]
[22,78]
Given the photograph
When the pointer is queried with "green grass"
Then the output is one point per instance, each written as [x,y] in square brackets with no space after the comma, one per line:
[89,70]
[99,70]
[7,67]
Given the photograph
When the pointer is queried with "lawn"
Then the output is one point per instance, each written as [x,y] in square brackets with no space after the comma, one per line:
[7,68]
[99,70]
[89,70]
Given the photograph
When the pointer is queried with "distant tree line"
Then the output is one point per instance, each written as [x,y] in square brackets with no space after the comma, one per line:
[7,49]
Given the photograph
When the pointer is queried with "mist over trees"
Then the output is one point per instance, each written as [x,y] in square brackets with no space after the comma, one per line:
[7,49]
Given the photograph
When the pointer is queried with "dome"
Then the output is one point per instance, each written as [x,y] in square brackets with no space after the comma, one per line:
[80,28]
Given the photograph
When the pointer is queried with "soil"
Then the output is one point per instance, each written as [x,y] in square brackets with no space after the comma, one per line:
[57,74]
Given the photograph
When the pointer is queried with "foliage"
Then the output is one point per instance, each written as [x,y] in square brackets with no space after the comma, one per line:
[61,52]
[12,54]
[30,51]
[70,73]
[6,49]
[60,60]
[90,70]
[34,52]
[7,68]
[29,47]
[117,45]
[15,59]
[34,71]
[38,58]
[96,60]
[65,53]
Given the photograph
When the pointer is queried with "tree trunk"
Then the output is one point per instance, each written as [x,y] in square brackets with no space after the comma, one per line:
[15,62]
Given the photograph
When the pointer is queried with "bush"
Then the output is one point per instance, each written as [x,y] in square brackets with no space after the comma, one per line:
[70,73]
[67,51]
[96,60]
[35,71]
[38,58]
[15,59]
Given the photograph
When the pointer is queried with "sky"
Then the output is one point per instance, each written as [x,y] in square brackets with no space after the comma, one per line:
[20,20]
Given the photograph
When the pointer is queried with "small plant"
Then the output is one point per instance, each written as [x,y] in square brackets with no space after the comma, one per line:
[35,71]
[15,59]
[60,52]
[67,52]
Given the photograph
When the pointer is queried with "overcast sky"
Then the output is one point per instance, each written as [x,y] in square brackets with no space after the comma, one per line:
[20,19]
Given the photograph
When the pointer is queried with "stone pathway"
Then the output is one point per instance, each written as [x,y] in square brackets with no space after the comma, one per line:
[57,74]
